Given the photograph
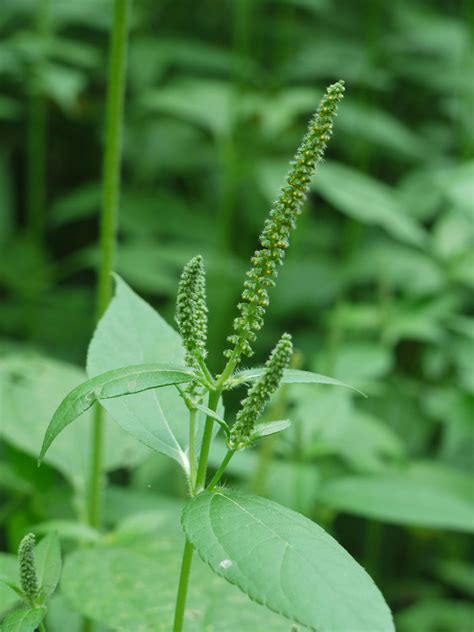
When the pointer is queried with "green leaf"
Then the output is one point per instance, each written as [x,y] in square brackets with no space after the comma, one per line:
[367,200]
[30,387]
[272,427]
[290,376]
[48,564]
[436,498]
[285,561]
[24,620]
[127,380]
[8,576]
[15,587]
[130,585]
[430,615]
[68,530]
[131,332]
[212,413]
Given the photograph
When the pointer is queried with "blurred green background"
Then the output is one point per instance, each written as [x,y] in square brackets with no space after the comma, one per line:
[378,285]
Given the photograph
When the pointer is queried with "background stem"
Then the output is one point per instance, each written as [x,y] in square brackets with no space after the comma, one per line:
[108,220]
[36,133]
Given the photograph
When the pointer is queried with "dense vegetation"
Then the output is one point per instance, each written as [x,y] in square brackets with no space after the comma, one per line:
[376,291]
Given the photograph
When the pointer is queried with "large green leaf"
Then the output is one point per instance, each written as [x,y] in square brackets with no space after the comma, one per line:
[422,495]
[30,388]
[26,620]
[131,332]
[48,564]
[118,382]
[131,583]
[285,561]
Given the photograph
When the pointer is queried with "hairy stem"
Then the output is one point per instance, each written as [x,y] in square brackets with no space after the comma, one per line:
[206,442]
[108,222]
[220,471]
[183,586]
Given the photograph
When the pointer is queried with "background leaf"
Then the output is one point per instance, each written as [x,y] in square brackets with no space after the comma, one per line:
[48,563]
[420,495]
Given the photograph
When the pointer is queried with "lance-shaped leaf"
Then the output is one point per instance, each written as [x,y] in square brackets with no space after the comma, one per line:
[290,376]
[125,381]
[284,561]
[269,428]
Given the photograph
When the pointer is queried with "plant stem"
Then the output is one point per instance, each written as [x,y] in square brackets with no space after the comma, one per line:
[206,442]
[199,486]
[192,448]
[109,213]
[217,476]
[183,586]
[36,133]
[42,627]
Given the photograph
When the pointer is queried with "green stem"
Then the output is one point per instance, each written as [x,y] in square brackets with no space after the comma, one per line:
[109,214]
[207,374]
[192,448]
[206,443]
[183,586]
[42,627]
[37,134]
[217,476]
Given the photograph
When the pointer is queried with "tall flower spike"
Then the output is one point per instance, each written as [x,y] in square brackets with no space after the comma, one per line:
[191,310]
[259,394]
[274,238]
[26,559]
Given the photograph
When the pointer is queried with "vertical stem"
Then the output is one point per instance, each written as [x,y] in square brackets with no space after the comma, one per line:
[36,133]
[108,221]
[206,443]
[192,448]
[183,586]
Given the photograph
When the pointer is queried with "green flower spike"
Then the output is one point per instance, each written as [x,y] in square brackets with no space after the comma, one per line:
[274,238]
[191,310]
[26,558]
[259,394]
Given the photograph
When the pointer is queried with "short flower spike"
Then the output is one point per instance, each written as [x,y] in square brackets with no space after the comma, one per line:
[26,559]
[191,310]
[259,394]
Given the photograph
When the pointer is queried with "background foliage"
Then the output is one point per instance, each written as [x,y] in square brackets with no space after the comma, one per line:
[377,289]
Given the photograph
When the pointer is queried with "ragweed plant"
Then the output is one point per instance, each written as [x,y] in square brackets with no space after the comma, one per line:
[278,557]
[39,568]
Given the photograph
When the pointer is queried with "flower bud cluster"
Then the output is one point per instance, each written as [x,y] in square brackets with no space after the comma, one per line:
[191,310]
[259,394]
[26,559]
[274,238]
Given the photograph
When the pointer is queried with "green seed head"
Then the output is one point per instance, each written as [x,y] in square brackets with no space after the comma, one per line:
[191,310]
[259,394]
[274,238]
[26,558]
